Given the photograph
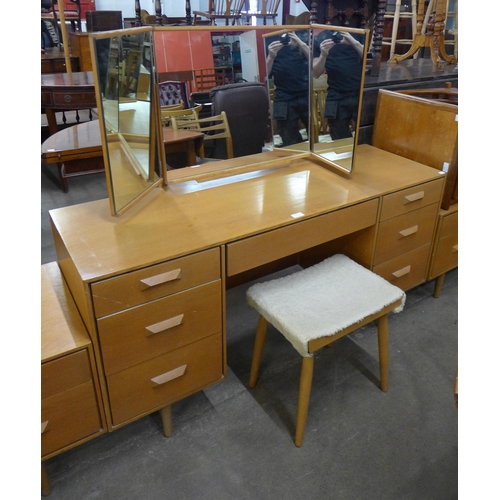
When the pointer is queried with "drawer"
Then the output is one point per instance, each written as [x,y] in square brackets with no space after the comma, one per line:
[449,225]
[407,270]
[167,378]
[411,199]
[138,287]
[445,256]
[74,98]
[273,245]
[46,99]
[69,416]
[64,373]
[146,331]
[404,233]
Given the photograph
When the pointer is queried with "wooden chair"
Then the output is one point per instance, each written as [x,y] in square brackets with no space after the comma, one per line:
[314,308]
[229,10]
[320,123]
[268,9]
[214,127]
[178,111]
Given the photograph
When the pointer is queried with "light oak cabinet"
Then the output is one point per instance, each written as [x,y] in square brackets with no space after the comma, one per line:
[71,408]
[405,234]
[160,333]
[445,248]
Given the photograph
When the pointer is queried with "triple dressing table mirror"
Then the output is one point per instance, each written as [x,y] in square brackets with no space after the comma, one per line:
[124,75]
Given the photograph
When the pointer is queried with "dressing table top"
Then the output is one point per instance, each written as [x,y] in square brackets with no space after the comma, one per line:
[212,208]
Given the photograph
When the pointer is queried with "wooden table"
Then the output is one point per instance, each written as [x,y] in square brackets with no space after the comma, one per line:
[65,92]
[53,61]
[185,142]
[76,150]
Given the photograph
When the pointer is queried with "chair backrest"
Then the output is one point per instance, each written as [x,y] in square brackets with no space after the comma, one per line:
[173,92]
[226,7]
[167,113]
[247,109]
[269,7]
[213,127]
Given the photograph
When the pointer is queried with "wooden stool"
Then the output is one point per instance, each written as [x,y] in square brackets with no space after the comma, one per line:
[317,306]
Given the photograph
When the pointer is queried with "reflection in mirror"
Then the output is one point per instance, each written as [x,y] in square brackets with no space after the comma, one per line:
[339,56]
[123,62]
[287,67]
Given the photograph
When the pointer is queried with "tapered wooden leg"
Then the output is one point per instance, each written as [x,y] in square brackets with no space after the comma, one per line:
[166,418]
[45,481]
[306,375]
[383,351]
[438,285]
[260,339]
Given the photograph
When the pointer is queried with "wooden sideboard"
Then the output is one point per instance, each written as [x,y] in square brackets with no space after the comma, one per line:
[150,285]
[71,409]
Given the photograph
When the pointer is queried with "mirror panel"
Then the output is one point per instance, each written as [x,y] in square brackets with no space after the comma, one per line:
[338,62]
[126,100]
[287,54]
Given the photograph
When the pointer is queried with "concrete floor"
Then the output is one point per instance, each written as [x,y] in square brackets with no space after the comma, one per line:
[235,443]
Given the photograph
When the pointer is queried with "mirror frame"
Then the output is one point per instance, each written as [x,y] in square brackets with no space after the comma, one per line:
[315,153]
[156,156]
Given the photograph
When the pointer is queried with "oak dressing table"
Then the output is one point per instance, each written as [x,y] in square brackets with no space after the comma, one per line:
[150,285]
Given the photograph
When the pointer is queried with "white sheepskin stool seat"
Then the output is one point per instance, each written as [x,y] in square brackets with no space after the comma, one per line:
[317,306]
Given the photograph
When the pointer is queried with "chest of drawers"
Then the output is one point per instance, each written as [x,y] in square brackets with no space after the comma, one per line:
[407,223]
[160,333]
[71,407]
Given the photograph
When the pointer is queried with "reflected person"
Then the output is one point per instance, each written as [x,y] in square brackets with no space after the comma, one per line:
[341,55]
[287,63]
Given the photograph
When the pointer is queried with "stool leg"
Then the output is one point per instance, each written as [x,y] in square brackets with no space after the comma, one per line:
[260,339]
[383,351]
[306,375]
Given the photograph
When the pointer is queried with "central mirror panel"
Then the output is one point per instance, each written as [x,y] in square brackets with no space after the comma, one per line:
[125,95]
[287,66]
[337,79]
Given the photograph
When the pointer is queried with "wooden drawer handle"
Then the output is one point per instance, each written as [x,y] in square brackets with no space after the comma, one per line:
[408,231]
[45,426]
[168,376]
[162,278]
[164,325]
[454,248]
[401,272]
[413,197]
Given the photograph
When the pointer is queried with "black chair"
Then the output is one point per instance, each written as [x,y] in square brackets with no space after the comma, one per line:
[247,108]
